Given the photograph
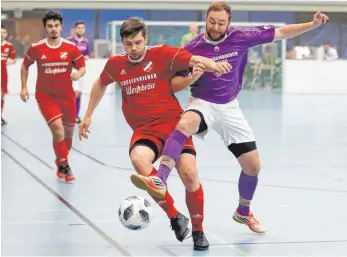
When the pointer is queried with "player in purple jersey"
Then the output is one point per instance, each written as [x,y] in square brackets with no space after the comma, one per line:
[83,44]
[213,104]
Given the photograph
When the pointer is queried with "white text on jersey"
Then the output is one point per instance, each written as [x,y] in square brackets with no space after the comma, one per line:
[140,88]
[138,79]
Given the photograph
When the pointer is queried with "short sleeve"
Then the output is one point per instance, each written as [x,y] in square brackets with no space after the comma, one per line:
[77,58]
[259,35]
[106,76]
[88,49]
[30,57]
[179,58]
[12,53]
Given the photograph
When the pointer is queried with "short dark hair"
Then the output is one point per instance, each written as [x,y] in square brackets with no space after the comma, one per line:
[3,27]
[132,27]
[52,15]
[79,23]
[220,6]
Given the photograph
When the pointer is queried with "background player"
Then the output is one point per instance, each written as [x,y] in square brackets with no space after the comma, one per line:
[83,44]
[152,111]
[213,104]
[8,56]
[55,58]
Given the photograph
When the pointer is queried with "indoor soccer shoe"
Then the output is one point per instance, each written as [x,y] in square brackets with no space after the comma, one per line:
[200,241]
[65,172]
[179,225]
[152,184]
[250,221]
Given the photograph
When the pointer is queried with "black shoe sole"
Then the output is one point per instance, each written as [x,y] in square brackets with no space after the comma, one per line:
[201,248]
[184,235]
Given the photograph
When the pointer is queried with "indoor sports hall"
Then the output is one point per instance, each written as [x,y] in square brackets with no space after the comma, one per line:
[294,98]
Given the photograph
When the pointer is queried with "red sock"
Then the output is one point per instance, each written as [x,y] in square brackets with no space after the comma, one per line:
[61,152]
[195,204]
[168,204]
[68,142]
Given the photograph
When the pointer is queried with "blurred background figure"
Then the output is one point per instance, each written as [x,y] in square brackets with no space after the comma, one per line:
[190,35]
[327,52]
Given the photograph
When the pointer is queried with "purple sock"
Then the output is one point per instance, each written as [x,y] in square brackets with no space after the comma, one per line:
[173,148]
[247,186]
[78,105]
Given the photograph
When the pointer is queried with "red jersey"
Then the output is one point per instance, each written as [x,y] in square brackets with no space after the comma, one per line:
[146,89]
[54,66]
[7,52]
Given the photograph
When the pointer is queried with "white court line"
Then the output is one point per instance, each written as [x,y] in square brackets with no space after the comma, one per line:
[64,210]
[56,221]
[236,249]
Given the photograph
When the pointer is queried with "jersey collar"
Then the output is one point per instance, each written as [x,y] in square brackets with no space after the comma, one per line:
[139,60]
[54,47]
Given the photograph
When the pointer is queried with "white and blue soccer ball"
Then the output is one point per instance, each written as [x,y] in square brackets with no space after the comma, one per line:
[135,213]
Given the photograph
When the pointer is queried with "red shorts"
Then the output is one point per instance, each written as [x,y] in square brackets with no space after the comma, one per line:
[53,108]
[157,135]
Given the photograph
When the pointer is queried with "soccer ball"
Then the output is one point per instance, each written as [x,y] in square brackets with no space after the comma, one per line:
[135,213]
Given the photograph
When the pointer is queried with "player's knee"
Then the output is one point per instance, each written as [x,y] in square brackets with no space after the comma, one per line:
[189,124]
[253,168]
[58,135]
[248,157]
[141,163]
[190,179]
[57,130]
[186,167]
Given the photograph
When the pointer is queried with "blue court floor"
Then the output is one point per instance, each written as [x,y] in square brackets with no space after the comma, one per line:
[301,197]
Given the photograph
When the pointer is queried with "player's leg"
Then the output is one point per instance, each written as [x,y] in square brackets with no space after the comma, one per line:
[69,131]
[195,120]
[3,93]
[144,151]
[77,88]
[57,129]
[69,118]
[52,113]
[238,136]
[186,167]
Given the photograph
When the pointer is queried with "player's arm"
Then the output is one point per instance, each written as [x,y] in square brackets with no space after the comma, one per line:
[218,68]
[86,57]
[79,64]
[29,59]
[185,79]
[293,30]
[182,59]
[96,94]
[13,57]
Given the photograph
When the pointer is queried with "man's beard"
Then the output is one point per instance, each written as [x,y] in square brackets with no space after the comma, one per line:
[212,39]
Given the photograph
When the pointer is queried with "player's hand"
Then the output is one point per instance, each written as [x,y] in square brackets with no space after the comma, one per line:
[221,68]
[75,75]
[84,128]
[24,95]
[320,18]
[198,70]
[10,61]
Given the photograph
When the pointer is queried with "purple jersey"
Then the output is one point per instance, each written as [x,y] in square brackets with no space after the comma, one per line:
[82,44]
[233,49]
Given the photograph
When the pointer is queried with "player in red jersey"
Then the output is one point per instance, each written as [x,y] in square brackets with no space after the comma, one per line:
[152,111]
[55,58]
[8,56]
